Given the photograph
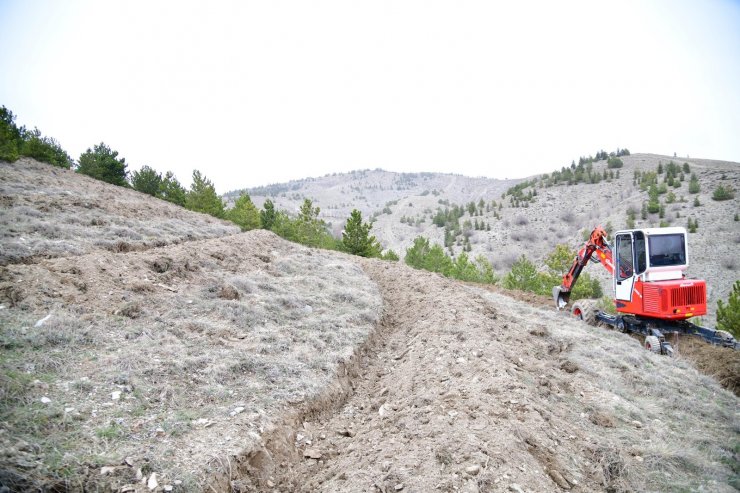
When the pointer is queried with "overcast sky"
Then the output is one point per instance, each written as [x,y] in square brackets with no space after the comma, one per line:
[252,93]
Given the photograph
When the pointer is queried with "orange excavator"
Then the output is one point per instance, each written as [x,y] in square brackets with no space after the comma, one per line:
[652,295]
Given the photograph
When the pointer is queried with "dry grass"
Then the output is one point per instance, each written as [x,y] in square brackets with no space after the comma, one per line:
[688,426]
[51,212]
[193,368]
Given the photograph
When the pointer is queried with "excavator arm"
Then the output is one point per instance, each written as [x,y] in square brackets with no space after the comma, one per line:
[597,244]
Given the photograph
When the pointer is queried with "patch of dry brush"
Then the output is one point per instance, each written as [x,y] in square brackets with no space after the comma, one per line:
[163,358]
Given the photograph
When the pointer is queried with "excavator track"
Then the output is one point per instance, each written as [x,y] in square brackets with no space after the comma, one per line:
[654,330]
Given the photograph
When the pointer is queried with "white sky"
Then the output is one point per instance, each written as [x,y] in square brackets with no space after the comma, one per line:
[252,93]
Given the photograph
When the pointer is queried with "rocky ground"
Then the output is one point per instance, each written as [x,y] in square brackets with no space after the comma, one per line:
[470,390]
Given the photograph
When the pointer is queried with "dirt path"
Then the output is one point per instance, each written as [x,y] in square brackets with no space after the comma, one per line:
[467,393]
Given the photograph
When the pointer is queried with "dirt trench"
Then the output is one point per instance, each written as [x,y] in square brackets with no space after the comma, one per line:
[471,391]
[439,406]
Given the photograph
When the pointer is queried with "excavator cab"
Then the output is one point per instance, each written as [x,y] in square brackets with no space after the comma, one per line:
[648,268]
[649,274]
[652,294]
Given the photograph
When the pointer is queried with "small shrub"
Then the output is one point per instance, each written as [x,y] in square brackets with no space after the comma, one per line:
[694,186]
[523,276]
[728,315]
[391,256]
[723,193]
[692,225]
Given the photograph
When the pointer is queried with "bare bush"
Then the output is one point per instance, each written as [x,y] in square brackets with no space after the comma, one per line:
[568,217]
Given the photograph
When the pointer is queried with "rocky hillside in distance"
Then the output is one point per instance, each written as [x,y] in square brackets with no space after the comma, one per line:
[403,207]
[375,192]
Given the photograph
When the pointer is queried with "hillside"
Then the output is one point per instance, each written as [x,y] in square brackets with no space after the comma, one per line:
[375,192]
[225,361]
[404,207]
[55,212]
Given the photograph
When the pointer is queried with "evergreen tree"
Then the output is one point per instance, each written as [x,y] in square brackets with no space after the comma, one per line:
[694,184]
[147,180]
[723,192]
[356,237]
[44,149]
[390,255]
[653,205]
[523,276]
[202,197]
[244,213]
[437,261]
[171,190]
[102,163]
[10,136]
[417,252]
[268,215]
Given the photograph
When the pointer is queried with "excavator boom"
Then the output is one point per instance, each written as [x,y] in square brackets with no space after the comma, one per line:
[598,244]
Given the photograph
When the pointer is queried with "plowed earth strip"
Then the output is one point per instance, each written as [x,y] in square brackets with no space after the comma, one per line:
[467,393]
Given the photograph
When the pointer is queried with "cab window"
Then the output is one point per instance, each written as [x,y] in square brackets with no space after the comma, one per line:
[640,254]
[624,257]
[667,250]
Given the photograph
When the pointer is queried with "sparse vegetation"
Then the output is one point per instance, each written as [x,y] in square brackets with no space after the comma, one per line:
[723,192]
[422,255]
[728,314]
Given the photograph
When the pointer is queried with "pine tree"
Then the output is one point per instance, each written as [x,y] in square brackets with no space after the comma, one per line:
[10,136]
[268,215]
[202,197]
[147,180]
[728,315]
[244,213]
[102,163]
[356,237]
[694,184]
[171,190]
